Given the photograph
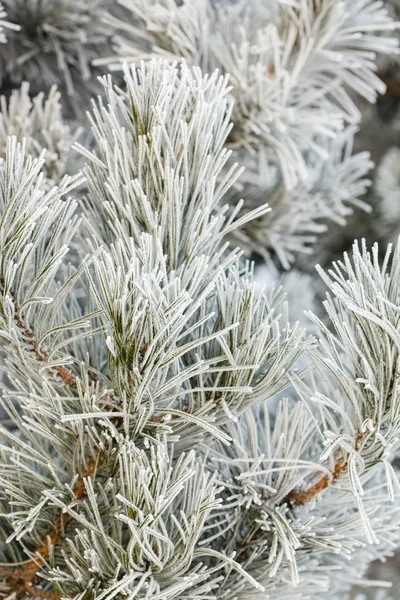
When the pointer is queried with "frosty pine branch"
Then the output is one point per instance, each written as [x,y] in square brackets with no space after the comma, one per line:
[41,123]
[185,373]
[290,63]
[142,459]
[166,431]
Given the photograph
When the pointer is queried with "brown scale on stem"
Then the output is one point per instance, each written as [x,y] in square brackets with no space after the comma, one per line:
[41,354]
[301,497]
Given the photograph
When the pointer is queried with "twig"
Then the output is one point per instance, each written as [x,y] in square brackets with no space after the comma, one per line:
[301,497]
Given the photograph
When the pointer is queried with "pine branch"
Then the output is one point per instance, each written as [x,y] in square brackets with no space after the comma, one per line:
[301,497]
[364,309]
[22,578]
[289,67]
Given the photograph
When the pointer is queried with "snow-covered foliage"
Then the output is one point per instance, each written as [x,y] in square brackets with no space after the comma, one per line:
[176,421]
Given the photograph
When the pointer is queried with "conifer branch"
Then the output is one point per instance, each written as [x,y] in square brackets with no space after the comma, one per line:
[185,456]
[22,578]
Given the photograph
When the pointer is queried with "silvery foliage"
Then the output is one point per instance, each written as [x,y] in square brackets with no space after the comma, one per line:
[142,460]
[40,121]
[299,292]
[121,367]
[363,311]
[180,206]
[55,42]
[295,67]
[349,418]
